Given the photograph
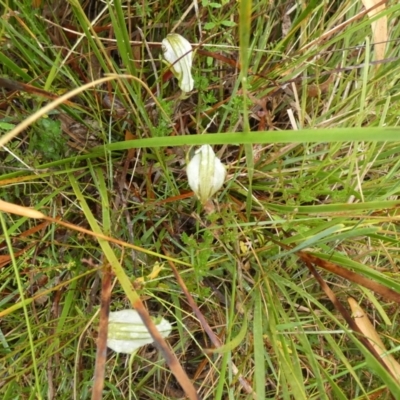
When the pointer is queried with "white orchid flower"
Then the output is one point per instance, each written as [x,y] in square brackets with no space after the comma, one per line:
[178,53]
[206,173]
[127,332]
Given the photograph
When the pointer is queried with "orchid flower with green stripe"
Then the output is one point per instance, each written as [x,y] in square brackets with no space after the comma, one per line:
[127,332]
[178,53]
[206,173]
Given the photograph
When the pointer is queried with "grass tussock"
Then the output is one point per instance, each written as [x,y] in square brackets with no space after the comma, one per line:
[109,161]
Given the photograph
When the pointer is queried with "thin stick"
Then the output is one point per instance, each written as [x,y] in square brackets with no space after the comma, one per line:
[101,355]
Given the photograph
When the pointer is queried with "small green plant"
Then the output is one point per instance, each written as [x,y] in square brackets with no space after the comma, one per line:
[218,19]
[47,142]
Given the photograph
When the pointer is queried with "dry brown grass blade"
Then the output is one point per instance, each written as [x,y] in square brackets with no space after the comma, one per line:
[364,324]
[376,287]
[339,306]
[170,357]
[379,27]
[101,354]
[20,210]
[5,259]
[23,87]
[213,337]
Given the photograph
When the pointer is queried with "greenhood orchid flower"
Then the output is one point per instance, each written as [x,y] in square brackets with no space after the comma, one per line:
[178,53]
[126,331]
[206,173]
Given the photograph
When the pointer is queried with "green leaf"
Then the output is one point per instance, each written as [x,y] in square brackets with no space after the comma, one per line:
[209,25]
[228,23]
[5,126]
[227,347]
